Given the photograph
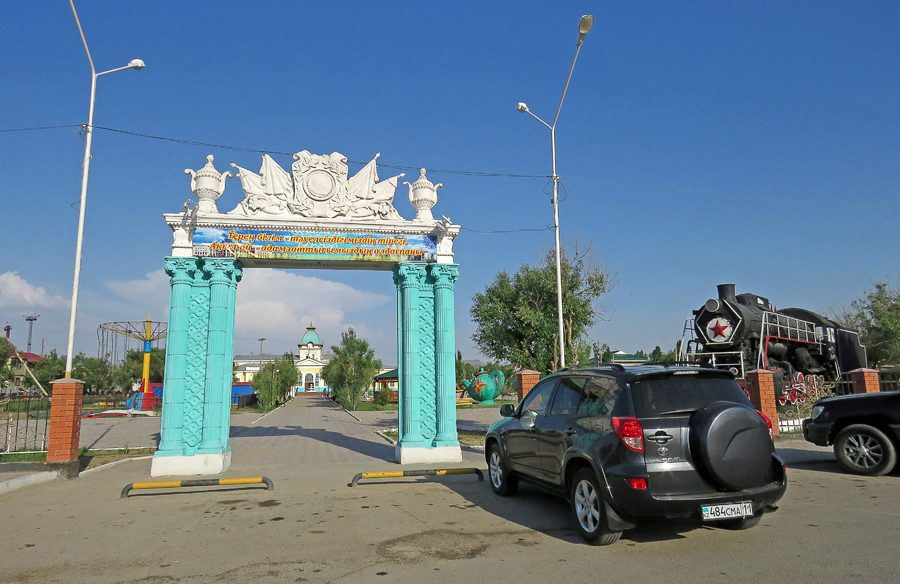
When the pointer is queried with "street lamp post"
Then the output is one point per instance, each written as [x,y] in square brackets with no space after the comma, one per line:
[584,25]
[136,64]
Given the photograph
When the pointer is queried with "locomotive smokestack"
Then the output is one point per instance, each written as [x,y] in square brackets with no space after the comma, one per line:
[726,292]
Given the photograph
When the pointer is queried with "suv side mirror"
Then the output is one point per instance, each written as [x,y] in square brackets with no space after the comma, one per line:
[507,410]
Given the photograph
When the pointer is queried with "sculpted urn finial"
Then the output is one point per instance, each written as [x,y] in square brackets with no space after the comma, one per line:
[208,184]
[423,196]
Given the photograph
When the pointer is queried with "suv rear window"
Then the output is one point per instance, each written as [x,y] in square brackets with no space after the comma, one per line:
[682,394]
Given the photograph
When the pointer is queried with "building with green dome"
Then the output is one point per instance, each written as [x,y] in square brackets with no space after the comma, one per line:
[309,360]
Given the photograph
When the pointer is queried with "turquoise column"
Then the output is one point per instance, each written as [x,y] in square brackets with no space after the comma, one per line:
[235,275]
[220,273]
[408,277]
[197,351]
[444,277]
[181,275]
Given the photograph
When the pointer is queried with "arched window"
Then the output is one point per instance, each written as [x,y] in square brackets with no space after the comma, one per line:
[308,381]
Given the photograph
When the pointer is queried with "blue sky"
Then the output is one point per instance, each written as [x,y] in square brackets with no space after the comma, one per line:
[700,143]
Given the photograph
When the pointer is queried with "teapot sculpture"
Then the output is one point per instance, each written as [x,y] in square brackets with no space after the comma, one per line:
[486,387]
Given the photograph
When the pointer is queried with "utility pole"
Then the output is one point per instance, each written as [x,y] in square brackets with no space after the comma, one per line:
[261,339]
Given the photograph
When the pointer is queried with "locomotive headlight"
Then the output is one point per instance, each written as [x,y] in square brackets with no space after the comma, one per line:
[817,411]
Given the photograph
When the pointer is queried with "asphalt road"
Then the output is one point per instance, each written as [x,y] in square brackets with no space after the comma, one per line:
[831,527]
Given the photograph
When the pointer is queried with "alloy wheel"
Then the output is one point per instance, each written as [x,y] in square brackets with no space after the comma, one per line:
[587,506]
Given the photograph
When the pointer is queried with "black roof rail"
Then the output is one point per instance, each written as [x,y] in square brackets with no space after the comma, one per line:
[580,366]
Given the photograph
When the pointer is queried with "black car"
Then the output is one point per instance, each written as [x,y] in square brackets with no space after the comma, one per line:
[864,430]
[625,444]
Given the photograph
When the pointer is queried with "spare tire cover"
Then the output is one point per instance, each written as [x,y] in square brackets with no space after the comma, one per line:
[730,443]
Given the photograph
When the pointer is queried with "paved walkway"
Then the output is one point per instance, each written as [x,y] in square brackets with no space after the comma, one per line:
[306,430]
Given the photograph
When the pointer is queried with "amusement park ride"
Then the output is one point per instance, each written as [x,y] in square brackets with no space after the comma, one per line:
[146,332]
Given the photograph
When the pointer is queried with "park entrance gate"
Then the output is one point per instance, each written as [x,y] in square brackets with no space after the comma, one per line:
[315,216]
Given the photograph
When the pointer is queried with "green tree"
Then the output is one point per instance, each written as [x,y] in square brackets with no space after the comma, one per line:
[7,350]
[50,368]
[463,370]
[353,368]
[673,355]
[274,381]
[516,315]
[96,373]
[657,355]
[130,369]
[877,318]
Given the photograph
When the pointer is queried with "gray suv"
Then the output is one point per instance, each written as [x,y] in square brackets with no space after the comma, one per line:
[625,444]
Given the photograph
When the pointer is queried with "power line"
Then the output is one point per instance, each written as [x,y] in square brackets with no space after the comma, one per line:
[477,173]
[726,218]
[40,128]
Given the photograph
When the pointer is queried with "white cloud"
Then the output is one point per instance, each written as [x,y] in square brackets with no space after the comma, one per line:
[137,297]
[279,305]
[16,292]
[271,303]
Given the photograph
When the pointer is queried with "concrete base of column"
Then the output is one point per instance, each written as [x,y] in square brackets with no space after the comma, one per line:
[408,455]
[197,464]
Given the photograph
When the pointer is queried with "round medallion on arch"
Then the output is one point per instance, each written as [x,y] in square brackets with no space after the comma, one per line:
[319,185]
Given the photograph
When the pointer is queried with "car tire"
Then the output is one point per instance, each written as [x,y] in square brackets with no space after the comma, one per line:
[503,483]
[865,450]
[589,510]
[740,523]
[731,446]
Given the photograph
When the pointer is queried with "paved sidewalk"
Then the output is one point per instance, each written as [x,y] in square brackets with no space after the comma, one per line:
[306,430]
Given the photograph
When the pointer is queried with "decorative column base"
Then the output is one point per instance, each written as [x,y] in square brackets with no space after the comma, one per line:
[410,455]
[195,464]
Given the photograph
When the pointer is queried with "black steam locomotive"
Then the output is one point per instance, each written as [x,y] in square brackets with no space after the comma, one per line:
[745,332]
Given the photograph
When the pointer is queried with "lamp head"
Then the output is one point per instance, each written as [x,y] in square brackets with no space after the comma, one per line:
[584,25]
[136,64]
[522,107]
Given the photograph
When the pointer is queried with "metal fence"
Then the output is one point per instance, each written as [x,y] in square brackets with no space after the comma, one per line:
[97,403]
[23,423]
[792,412]
[889,380]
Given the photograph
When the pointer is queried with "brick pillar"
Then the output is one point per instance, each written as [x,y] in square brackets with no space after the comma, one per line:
[525,380]
[65,420]
[760,384]
[865,381]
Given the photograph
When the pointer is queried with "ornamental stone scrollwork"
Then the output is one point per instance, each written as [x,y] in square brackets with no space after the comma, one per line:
[208,184]
[445,275]
[318,186]
[409,275]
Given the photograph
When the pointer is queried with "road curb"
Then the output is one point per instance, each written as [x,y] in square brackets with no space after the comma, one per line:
[27,480]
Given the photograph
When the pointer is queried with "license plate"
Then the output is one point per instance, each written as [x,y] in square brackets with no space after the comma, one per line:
[743,509]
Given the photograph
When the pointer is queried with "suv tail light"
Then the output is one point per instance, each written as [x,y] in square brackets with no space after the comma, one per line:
[639,484]
[629,431]
[769,424]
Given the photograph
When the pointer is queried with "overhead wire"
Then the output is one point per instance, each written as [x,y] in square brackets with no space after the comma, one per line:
[564,193]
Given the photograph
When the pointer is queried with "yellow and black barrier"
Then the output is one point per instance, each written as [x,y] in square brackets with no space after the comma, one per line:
[198,483]
[415,473]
